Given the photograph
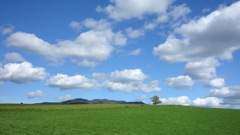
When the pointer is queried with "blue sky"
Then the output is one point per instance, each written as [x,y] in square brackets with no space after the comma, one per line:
[186,52]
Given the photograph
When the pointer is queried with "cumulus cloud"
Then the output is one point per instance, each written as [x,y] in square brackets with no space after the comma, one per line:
[13,57]
[203,38]
[75,25]
[97,25]
[150,25]
[155,22]
[127,75]
[102,25]
[208,102]
[182,100]
[117,86]
[127,9]
[180,82]
[157,12]
[229,95]
[65,82]
[22,73]
[172,16]
[135,52]
[65,97]
[4,30]
[216,82]
[224,97]
[99,76]
[36,94]
[225,92]
[119,39]
[202,102]
[202,70]
[179,11]
[132,86]
[89,46]
[134,33]
[129,80]
[153,86]
[206,10]
[88,49]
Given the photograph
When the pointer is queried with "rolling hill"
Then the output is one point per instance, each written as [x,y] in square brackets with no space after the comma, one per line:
[94,101]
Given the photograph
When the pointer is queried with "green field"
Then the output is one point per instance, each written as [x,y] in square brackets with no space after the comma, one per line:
[107,119]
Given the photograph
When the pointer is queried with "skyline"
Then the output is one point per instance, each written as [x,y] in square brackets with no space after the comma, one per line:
[183,51]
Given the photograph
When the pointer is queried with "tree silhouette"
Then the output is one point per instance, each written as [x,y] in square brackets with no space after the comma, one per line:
[155,100]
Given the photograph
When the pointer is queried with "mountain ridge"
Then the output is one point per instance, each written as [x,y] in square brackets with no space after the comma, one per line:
[93,101]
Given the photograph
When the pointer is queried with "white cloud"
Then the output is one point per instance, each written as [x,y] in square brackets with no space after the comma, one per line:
[221,98]
[127,75]
[202,70]
[206,10]
[13,57]
[29,42]
[75,25]
[85,47]
[153,86]
[226,92]
[154,23]
[162,18]
[127,80]
[4,30]
[99,76]
[119,39]
[127,9]
[150,25]
[172,16]
[208,102]
[118,86]
[179,11]
[135,52]
[215,35]
[65,82]
[22,72]
[88,49]
[182,100]
[216,82]
[130,80]
[134,33]
[180,82]
[225,97]
[90,23]
[65,97]
[87,63]
[36,94]
[132,86]
[103,25]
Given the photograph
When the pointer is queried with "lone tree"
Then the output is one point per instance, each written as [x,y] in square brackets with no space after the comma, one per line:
[155,100]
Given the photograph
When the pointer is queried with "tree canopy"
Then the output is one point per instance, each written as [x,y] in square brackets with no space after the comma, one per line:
[155,100]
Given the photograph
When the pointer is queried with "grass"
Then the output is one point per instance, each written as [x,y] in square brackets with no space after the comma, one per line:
[117,119]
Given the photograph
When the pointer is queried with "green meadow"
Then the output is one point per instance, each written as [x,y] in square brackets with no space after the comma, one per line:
[114,119]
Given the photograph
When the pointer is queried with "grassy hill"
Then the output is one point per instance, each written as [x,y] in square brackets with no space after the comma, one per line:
[123,119]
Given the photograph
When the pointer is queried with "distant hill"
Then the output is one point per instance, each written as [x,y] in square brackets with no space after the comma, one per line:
[75,101]
[94,101]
